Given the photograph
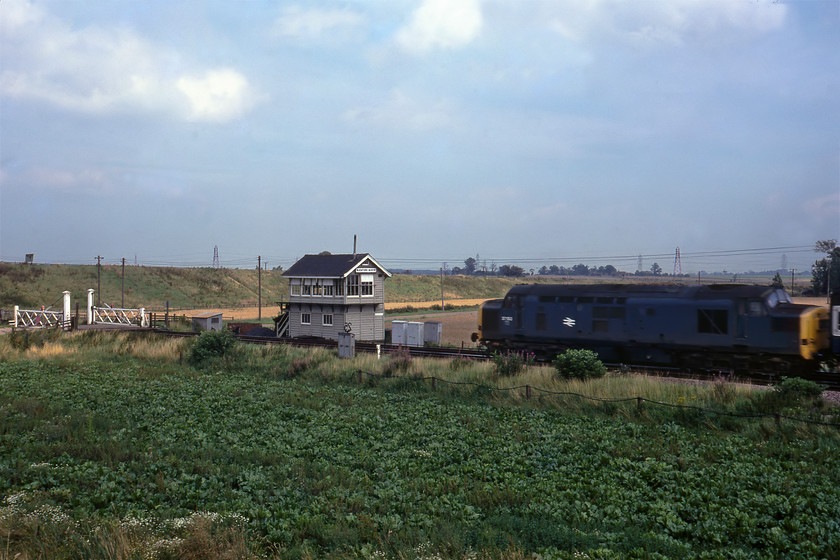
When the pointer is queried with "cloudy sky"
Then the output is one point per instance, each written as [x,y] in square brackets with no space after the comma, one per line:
[524,131]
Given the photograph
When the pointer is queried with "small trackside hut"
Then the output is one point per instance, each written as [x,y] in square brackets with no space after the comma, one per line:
[332,294]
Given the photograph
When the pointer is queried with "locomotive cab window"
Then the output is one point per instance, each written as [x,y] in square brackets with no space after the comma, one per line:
[712,321]
[756,308]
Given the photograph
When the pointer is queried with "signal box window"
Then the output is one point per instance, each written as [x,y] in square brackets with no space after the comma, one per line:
[353,285]
[328,320]
[305,319]
[367,284]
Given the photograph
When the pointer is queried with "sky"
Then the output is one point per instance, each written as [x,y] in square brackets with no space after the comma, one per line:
[527,132]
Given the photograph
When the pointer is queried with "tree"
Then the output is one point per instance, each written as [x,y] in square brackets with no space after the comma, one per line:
[825,246]
[469,266]
[580,270]
[511,270]
[778,282]
[825,273]
[554,269]
[543,270]
[656,269]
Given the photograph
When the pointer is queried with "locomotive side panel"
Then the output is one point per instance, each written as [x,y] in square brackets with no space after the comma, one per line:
[658,324]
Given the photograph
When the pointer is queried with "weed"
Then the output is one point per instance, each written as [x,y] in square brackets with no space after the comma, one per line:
[511,363]
[398,362]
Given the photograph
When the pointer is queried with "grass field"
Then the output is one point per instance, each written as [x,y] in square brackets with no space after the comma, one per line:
[113,447]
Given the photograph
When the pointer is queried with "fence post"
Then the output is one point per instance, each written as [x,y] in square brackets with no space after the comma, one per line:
[17,311]
[778,419]
[434,384]
[360,377]
[527,391]
[144,320]
[90,307]
[639,403]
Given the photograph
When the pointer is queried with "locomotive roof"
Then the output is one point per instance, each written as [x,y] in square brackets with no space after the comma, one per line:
[717,291]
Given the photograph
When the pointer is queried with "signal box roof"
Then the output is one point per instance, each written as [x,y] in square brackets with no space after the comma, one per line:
[333,266]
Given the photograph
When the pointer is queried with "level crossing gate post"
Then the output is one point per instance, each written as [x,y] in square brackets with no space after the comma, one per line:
[17,312]
[65,319]
[90,306]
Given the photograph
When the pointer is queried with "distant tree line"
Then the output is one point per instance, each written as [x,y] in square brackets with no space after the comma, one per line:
[825,272]
[472,268]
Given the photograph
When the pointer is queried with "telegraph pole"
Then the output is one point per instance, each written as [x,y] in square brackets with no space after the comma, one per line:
[442,306]
[259,288]
[98,281]
[122,301]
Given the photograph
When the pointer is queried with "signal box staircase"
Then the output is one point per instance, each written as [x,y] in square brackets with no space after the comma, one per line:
[281,321]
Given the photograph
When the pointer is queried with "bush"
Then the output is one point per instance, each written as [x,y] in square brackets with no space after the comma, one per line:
[797,389]
[579,364]
[511,362]
[211,344]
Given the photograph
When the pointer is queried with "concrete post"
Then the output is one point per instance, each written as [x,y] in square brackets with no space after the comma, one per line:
[144,320]
[17,312]
[65,320]
[90,307]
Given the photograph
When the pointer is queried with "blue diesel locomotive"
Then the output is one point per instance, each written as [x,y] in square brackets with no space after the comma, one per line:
[720,327]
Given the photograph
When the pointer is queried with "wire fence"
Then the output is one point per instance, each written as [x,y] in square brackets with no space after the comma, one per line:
[530,392]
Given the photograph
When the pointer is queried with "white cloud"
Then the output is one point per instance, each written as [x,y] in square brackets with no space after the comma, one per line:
[217,95]
[314,24]
[403,112]
[823,207]
[84,181]
[441,24]
[663,21]
[100,71]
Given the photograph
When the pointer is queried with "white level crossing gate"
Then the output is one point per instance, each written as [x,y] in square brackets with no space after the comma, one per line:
[44,318]
[108,315]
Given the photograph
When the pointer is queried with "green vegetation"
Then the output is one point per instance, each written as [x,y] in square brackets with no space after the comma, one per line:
[31,286]
[512,363]
[211,346]
[112,446]
[577,363]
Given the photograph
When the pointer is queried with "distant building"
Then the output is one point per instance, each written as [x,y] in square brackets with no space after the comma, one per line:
[330,294]
[209,321]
